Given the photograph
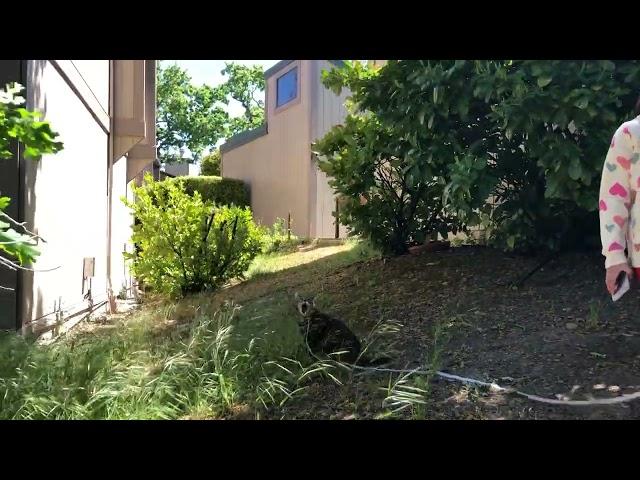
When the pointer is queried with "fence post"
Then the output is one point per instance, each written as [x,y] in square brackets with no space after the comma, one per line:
[337,221]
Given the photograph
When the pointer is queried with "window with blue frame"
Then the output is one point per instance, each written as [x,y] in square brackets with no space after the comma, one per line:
[287,87]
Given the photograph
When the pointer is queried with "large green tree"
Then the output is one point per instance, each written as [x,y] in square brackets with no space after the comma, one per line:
[244,84]
[188,116]
[196,118]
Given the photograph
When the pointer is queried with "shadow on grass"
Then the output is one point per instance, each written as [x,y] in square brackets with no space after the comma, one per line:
[268,313]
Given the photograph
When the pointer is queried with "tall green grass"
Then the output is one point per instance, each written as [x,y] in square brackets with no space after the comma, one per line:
[139,371]
[151,366]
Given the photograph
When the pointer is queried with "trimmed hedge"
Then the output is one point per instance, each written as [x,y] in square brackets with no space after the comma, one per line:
[222,191]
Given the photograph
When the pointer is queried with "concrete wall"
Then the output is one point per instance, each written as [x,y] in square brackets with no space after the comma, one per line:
[65,196]
[182,169]
[276,166]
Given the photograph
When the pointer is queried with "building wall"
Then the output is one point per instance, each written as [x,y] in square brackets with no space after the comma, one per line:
[276,166]
[279,167]
[67,197]
[327,111]
[182,169]
[121,222]
[71,191]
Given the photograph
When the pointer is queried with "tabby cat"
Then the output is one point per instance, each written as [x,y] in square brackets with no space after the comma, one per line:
[326,335]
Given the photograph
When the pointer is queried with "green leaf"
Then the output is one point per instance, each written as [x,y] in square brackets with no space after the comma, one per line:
[536,69]
[463,107]
[4,202]
[544,81]
[18,245]
[421,116]
[575,169]
[582,103]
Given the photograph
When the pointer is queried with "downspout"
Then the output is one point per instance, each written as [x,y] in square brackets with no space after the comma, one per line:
[111,304]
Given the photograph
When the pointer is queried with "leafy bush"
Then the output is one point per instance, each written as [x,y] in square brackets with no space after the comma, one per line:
[186,244]
[391,188]
[276,238]
[562,114]
[210,164]
[530,135]
[221,191]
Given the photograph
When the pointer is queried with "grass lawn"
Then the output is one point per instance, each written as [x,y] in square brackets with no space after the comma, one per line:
[237,354]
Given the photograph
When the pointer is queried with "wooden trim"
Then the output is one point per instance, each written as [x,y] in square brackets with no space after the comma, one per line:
[243,138]
[143,151]
[276,68]
[77,83]
[136,164]
[129,127]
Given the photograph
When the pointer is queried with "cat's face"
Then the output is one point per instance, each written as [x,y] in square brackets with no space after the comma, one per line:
[305,305]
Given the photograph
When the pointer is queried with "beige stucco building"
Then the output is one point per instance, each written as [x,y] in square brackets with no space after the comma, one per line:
[104,111]
[275,160]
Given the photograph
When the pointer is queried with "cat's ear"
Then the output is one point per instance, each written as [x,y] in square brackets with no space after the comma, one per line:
[297,296]
[313,300]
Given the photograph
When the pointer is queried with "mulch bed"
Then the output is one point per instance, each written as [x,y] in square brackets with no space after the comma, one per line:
[559,334]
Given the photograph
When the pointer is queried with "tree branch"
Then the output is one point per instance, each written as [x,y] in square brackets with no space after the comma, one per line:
[22,225]
[14,266]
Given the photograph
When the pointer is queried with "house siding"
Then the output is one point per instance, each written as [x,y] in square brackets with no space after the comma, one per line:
[276,165]
[66,197]
[329,110]
[276,160]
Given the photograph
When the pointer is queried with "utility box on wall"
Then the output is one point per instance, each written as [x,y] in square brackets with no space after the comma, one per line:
[88,272]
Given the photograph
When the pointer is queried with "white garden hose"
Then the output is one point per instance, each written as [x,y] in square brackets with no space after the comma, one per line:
[495,388]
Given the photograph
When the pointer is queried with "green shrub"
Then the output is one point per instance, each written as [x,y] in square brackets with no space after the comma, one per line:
[221,191]
[390,194]
[210,164]
[186,244]
[276,238]
[530,134]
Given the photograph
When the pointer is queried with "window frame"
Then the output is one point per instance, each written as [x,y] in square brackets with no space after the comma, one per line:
[295,100]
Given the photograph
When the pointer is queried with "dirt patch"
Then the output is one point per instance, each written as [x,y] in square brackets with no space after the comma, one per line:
[557,335]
